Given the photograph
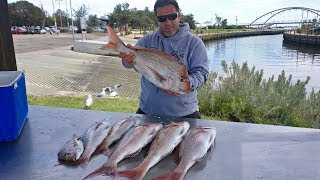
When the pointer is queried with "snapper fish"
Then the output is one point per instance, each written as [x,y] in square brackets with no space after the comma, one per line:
[129,146]
[193,148]
[92,139]
[161,69]
[72,150]
[116,133]
[163,144]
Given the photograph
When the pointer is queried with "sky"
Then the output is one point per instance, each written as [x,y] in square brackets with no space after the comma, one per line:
[245,11]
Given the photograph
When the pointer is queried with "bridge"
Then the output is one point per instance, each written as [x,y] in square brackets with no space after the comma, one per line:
[288,15]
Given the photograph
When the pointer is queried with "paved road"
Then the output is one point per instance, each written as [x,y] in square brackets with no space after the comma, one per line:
[53,69]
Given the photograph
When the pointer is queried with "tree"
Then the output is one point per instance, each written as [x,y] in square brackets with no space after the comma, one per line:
[188,19]
[218,20]
[224,23]
[93,21]
[123,16]
[82,12]
[23,13]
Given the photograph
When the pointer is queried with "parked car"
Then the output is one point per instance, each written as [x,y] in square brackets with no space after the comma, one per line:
[53,30]
[39,31]
[18,30]
[74,28]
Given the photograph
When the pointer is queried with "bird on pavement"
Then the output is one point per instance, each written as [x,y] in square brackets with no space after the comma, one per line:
[114,91]
[103,93]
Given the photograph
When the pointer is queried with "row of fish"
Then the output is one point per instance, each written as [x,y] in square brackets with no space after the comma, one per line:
[133,136]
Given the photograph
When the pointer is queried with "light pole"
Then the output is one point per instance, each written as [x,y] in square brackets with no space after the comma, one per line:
[72,25]
[54,17]
[60,13]
[67,14]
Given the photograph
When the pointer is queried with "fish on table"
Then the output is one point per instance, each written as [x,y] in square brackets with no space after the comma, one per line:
[91,139]
[72,150]
[193,148]
[161,69]
[129,146]
[163,144]
[116,133]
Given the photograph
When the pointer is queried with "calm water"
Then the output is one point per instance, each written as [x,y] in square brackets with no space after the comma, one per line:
[269,53]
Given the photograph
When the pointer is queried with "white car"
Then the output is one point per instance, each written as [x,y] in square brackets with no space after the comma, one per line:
[53,30]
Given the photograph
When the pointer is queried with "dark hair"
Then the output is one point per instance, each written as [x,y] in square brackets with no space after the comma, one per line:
[162,3]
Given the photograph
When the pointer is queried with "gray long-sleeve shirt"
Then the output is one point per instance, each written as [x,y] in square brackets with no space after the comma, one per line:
[191,51]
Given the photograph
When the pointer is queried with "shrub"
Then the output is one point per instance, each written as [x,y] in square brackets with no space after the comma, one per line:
[241,94]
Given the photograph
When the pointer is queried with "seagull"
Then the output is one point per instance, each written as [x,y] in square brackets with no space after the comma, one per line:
[114,91]
[103,93]
[89,101]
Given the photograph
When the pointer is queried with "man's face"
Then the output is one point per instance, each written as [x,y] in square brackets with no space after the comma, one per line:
[170,17]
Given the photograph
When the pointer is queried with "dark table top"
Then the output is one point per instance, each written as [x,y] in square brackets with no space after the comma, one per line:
[241,151]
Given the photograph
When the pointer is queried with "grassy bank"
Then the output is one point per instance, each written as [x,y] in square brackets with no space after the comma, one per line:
[240,94]
[101,104]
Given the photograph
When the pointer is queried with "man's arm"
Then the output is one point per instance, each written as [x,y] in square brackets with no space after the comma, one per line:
[198,66]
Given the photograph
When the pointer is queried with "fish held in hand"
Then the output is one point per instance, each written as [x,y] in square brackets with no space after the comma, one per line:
[92,139]
[117,131]
[72,150]
[160,68]
[129,146]
[193,148]
[163,144]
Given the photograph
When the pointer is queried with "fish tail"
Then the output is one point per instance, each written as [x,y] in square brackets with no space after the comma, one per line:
[114,39]
[133,174]
[104,170]
[169,176]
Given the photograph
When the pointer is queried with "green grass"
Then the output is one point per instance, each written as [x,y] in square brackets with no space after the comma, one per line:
[101,104]
[239,95]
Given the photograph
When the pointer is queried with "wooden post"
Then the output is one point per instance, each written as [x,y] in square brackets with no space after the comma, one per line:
[7,55]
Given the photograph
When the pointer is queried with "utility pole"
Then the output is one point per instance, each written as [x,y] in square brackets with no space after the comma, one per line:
[7,55]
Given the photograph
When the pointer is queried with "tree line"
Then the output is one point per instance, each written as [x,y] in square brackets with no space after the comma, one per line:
[24,13]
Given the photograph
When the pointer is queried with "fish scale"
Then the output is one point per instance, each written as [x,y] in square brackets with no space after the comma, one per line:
[193,148]
[130,145]
[158,67]
[163,144]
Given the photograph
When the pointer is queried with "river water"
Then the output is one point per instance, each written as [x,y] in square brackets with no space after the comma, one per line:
[269,53]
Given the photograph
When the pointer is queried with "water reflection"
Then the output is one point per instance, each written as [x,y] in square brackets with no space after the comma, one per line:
[269,53]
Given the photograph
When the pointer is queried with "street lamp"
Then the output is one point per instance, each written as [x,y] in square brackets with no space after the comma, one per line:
[72,25]
[67,14]
[60,13]
[54,17]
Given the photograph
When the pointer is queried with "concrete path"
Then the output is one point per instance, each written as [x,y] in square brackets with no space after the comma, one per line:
[59,71]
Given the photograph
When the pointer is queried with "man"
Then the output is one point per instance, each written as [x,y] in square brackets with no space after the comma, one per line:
[175,39]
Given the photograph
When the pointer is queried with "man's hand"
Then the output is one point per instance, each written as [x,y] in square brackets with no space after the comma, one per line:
[128,58]
[171,93]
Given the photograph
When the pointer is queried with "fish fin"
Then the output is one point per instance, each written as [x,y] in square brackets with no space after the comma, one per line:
[170,176]
[176,156]
[134,154]
[83,163]
[132,174]
[108,152]
[103,170]
[158,76]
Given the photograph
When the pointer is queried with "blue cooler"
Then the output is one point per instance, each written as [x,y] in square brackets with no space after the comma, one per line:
[13,104]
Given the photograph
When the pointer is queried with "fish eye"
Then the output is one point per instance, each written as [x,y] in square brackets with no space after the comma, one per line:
[181,79]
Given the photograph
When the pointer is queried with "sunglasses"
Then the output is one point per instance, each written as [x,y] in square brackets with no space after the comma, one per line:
[171,16]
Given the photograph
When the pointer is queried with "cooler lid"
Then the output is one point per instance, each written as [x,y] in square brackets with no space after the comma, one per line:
[8,78]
